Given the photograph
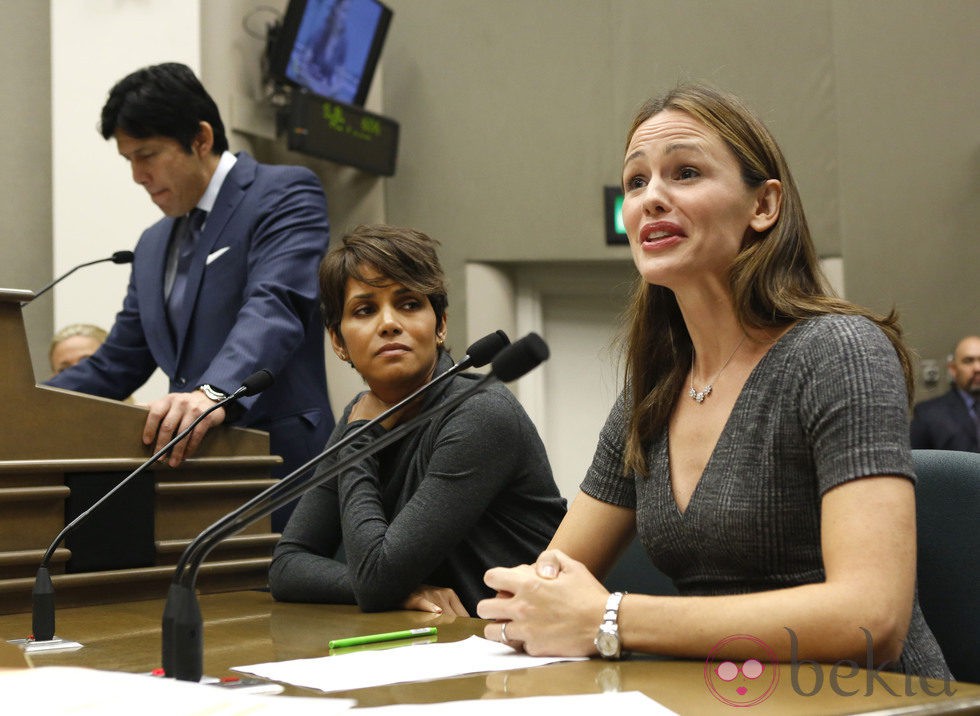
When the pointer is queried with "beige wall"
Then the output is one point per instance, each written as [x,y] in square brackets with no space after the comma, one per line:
[513,112]
[908,102]
[97,209]
[25,159]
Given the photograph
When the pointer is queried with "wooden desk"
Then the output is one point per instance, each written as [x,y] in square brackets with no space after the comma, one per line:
[249,627]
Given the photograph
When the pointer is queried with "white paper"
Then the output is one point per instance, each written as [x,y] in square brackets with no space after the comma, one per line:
[88,692]
[628,702]
[361,669]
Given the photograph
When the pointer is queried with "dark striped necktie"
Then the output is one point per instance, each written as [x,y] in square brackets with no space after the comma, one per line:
[186,239]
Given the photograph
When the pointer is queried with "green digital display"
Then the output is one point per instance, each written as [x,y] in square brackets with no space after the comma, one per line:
[364,127]
[342,133]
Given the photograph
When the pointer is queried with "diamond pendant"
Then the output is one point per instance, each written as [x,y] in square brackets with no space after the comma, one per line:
[699,395]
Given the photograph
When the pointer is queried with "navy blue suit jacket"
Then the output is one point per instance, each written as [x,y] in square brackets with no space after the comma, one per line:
[251,303]
[943,423]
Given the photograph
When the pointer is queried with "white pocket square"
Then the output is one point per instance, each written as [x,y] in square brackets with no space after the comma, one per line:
[214,256]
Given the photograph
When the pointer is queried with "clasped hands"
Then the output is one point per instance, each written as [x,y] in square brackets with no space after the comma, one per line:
[550,608]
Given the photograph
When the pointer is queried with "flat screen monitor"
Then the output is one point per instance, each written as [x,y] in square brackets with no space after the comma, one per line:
[330,47]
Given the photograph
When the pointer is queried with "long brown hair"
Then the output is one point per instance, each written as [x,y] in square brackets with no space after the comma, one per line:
[775,279]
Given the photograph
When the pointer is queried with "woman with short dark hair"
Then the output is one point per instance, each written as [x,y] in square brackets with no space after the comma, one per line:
[422,520]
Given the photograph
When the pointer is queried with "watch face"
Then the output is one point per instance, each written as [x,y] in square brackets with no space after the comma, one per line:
[607,643]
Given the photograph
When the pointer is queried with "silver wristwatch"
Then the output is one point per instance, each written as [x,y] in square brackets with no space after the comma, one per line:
[212,392]
[607,639]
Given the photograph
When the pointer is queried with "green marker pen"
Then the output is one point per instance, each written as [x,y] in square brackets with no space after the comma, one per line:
[374,638]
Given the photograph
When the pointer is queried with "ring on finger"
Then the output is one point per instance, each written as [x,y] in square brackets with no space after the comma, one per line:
[503,631]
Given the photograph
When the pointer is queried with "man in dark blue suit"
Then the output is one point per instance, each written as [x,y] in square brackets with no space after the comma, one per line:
[952,421]
[224,285]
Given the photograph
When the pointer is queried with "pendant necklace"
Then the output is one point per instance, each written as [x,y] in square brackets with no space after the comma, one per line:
[699,395]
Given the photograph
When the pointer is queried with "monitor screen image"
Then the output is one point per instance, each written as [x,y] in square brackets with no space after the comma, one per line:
[331,47]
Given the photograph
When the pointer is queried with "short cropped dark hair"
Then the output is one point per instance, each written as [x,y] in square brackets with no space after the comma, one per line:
[404,256]
[164,100]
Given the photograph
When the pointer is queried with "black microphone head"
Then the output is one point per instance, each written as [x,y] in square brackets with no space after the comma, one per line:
[484,350]
[122,257]
[257,382]
[521,357]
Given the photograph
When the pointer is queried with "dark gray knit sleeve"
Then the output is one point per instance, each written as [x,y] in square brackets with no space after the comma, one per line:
[303,567]
[605,480]
[853,402]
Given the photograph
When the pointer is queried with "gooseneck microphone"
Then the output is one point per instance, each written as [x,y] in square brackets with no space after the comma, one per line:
[42,596]
[479,354]
[119,257]
[182,639]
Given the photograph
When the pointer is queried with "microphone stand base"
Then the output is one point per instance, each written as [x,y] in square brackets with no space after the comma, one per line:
[30,646]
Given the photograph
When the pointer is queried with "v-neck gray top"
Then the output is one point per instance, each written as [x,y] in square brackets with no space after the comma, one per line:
[825,405]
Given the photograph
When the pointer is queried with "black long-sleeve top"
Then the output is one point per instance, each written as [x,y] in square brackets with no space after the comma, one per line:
[470,490]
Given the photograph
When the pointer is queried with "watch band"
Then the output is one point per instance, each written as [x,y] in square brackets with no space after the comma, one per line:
[607,641]
[212,392]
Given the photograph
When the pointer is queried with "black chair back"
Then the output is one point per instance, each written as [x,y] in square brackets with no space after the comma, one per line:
[948,515]
[634,572]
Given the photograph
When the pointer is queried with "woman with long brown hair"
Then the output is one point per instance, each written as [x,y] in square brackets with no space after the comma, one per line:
[759,448]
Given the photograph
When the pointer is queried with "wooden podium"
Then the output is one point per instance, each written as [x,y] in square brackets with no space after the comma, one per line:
[55,445]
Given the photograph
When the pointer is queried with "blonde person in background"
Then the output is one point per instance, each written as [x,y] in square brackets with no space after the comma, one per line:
[74,343]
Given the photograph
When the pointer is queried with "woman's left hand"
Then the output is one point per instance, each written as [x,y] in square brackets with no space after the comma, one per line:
[556,616]
[439,600]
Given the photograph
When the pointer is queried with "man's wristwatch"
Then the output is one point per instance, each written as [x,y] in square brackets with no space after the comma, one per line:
[212,392]
[607,639]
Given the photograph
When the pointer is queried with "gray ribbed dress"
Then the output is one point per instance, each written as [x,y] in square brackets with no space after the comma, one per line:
[825,405]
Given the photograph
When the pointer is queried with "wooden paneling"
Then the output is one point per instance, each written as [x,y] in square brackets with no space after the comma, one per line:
[47,434]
